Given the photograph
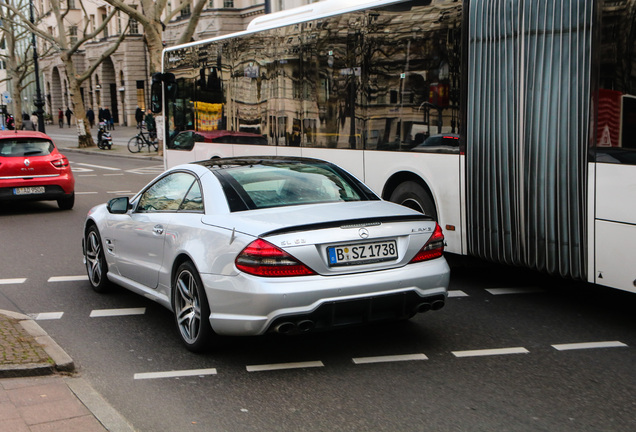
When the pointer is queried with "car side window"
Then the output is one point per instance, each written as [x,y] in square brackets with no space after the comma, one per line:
[193,200]
[167,194]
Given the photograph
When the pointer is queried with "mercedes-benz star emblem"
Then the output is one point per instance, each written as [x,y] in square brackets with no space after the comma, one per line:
[363,232]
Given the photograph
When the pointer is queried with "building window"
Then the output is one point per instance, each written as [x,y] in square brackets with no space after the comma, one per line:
[71,4]
[228,4]
[187,9]
[104,16]
[72,33]
[134,26]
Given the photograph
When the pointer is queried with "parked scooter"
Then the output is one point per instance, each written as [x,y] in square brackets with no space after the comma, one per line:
[104,140]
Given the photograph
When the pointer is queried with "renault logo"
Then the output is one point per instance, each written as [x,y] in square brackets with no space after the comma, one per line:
[363,233]
[27,162]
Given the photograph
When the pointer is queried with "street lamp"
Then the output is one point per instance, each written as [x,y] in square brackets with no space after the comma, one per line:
[38,102]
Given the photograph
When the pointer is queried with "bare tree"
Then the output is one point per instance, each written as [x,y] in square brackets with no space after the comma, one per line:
[19,62]
[151,16]
[67,47]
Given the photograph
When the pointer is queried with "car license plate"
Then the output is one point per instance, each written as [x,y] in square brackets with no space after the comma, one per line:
[28,190]
[365,253]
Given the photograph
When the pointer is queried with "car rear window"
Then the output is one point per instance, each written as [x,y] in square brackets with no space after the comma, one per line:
[25,147]
[283,184]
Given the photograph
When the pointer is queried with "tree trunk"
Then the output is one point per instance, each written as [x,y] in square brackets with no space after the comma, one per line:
[84,137]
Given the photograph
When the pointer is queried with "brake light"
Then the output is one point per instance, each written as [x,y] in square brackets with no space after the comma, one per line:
[60,163]
[261,258]
[434,247]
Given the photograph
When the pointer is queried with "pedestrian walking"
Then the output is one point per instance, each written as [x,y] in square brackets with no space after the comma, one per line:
[60,117]
[139,116]
[69,113]
[108,119]
[90,116]
[34,121]
[151,125]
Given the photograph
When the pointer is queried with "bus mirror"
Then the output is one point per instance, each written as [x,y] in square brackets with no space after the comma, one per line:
[156,99]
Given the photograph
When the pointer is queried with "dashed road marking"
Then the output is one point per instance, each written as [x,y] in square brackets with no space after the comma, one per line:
[84,193]
[99,313]
[490,352]
[283,366]
[175,374]
[457,293]
[389,358]
[99,167]
[121,192]
[47,316]
[110,175]
[68,278]
[12,281]
[589,345]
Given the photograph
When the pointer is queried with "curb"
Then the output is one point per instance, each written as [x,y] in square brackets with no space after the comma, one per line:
[62,362]
[107,153]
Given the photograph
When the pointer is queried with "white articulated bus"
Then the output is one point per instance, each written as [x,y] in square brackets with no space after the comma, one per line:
[511,122]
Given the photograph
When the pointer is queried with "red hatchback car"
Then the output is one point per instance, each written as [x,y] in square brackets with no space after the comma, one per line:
[31,168]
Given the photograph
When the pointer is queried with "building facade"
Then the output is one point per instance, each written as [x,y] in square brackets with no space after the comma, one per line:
[122,82]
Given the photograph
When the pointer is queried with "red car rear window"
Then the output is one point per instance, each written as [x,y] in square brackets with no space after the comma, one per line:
[25,147]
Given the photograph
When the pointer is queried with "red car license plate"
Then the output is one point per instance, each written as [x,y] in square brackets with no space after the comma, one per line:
[28,190]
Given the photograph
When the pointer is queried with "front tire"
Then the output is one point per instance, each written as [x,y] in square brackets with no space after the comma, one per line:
[191,309]
[134,145]
[96,266]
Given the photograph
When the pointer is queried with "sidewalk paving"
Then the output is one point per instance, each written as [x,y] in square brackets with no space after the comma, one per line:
[66,140]
[39,388]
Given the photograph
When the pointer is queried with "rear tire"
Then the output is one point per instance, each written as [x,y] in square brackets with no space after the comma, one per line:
[191,309]
[412,195]
[134,145]
[66,203]
[96,266]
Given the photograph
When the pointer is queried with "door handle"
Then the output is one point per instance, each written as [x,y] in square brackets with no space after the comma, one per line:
[158,229]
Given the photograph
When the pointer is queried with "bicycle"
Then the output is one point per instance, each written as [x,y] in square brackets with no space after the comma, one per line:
[141,140]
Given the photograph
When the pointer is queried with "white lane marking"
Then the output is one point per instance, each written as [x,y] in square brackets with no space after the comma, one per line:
[81,170]
[504,291]
[155,169]
[121,192]
[87,175]
[589,345]
[457,293]
[175,374]
[110,175]
[67,278]
[47,316]
[12,281]
[390,358]
[283,366]
[490,352]
[84,193]
[99,166]
[99,313]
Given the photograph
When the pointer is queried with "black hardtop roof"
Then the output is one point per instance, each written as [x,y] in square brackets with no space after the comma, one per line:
[257,160]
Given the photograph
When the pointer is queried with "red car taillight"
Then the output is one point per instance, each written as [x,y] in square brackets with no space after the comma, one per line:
[60,163]
[434,247]
[261,258]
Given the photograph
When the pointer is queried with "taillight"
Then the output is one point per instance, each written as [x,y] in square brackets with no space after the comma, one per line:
[434,247]
[261,258]
[60,163]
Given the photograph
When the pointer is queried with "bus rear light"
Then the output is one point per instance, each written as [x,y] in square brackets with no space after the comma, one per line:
[434,247]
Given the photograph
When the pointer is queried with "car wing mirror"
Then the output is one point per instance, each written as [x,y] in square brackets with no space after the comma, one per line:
[119,205]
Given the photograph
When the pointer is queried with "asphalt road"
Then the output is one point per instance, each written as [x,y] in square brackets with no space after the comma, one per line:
[498,357]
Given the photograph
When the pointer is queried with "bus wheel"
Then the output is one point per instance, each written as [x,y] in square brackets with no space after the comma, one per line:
[412,195]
